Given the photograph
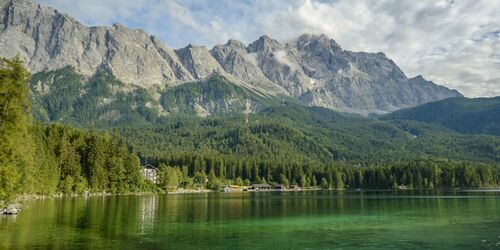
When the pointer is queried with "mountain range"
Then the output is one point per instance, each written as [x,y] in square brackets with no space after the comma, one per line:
[313,70]
[166,101]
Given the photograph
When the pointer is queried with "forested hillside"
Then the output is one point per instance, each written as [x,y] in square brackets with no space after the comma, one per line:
[103,101]
[308,146]
[465,115]
[64,96]
[277,128]
[40,159]
[282,142]
[297,133]
[279,133]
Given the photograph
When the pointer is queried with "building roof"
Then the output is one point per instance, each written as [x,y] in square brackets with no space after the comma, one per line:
[149,166]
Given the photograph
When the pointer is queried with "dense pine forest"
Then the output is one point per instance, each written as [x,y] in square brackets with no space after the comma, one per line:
[50,159]
[188,170]
[284,143]
[465,115]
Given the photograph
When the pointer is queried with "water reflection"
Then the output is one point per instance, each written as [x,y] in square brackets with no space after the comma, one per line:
[147,212]
[399,219]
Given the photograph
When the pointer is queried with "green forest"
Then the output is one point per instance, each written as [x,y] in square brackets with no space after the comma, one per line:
[49,159]
[465,115]
[46,148]
[188,170]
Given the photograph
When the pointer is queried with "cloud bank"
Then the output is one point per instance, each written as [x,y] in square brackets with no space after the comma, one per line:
[455,43]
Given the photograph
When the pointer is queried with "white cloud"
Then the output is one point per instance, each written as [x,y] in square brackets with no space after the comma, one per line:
[186,17]
[98,12]
[452,42]
[252,58]
[282,57]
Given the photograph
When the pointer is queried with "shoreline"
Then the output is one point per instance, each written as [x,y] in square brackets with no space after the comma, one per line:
[17,203]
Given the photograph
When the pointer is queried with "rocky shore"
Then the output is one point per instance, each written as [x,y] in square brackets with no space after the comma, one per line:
[10,209]
[188,191]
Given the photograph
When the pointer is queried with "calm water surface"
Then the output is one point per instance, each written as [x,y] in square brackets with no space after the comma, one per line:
[273,220]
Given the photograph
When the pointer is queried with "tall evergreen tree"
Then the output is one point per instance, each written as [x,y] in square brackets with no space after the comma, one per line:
[16,145]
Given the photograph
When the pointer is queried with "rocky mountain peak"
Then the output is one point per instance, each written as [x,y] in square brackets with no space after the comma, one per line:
[198,61]
[318,43]
[418,77]
[235,44]
[266,44]
[232,46]
[119,26]
[314,69]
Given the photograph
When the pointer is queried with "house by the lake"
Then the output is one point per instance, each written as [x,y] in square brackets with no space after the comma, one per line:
[261,187]
[150,173]
[279,187]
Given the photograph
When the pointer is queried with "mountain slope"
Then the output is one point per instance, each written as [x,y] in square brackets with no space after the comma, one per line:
[102,100]
[465,115]
[277,128]
[216,95]
[313,69]
[295,133]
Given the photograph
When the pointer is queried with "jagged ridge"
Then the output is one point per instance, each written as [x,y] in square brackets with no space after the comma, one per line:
[314,69]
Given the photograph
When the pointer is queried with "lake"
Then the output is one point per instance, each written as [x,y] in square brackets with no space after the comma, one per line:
[260,220]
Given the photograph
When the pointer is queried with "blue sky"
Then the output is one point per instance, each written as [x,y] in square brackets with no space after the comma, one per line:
[455,43]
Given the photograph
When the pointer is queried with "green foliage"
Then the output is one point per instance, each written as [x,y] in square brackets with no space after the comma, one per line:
[306,134]
[16,144]
[76,160]
[283,180]
[465,115]
[238,181]
[38,159]
[290,144]
[213,182]
[293,132]
[302,146]
[340,175]
[64,96]
[200,177]
[103,101]
[224,96]
[324,183]
[169,178]
[58,91]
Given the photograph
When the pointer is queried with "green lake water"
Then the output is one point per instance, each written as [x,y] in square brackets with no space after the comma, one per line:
[266,220]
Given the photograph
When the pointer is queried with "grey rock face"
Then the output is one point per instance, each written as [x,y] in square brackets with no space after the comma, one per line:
[314,69]
[280,65]
[235,60]
[357,81]
[198,61]
[49,40]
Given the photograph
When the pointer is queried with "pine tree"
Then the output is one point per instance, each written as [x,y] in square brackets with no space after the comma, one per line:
[324,184]
[213,182]
[16,145]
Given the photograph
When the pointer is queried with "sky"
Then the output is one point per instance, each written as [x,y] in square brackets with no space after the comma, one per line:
[455,43]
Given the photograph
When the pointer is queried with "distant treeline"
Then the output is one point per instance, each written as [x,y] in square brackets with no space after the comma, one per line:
[192,168]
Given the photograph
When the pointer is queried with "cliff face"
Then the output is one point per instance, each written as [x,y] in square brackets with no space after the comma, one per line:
[49,40]
[314,69]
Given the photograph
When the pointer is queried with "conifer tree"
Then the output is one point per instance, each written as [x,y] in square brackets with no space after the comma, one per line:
[16,145]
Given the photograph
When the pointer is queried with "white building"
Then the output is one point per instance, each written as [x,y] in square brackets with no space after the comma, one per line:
[150,173]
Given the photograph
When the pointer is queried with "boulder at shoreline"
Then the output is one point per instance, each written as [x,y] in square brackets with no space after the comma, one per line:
[11,209]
